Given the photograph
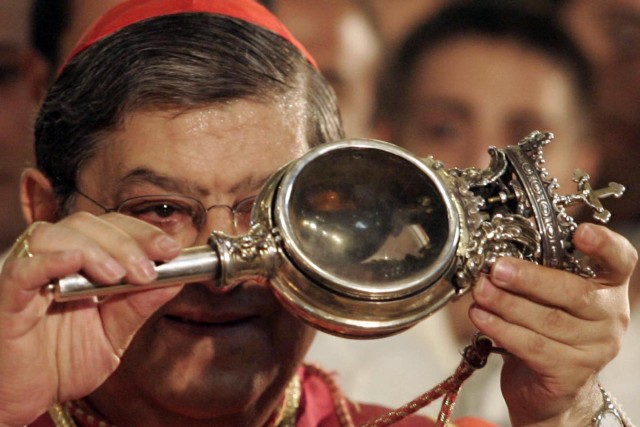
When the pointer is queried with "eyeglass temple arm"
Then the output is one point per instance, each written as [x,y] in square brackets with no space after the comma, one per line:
[223,262]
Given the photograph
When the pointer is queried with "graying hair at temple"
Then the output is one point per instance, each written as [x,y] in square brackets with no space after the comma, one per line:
[177,62]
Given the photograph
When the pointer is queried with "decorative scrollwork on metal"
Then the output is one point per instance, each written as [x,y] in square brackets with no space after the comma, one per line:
[254,253]
[517,185]
[511,236]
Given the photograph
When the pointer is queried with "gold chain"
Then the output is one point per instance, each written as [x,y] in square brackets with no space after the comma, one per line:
[61,417]
[287,416]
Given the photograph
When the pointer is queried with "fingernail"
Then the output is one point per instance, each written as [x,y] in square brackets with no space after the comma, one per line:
[485,289]
[167,244]
[588,236]
[480,315]
[503,272]
[113,269]
[145,268]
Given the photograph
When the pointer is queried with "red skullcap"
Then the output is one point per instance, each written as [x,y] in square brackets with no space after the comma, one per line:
[133,11]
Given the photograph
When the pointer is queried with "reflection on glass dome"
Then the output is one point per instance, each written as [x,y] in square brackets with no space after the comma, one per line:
[369,219]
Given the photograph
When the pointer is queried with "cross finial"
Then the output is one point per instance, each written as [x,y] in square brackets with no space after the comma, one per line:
[590,197]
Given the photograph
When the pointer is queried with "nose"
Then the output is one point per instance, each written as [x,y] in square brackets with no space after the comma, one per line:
[478,155]
[487,134]
[219,218]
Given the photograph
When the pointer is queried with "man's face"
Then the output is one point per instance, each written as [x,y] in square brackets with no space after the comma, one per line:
[609,33]
[16,110]
[347,50]
[473,92]
[206,352]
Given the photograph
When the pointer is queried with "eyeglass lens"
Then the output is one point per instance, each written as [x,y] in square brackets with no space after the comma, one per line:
[182,216]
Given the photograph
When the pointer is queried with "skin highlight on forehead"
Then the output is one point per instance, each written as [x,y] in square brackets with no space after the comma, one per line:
[185,151]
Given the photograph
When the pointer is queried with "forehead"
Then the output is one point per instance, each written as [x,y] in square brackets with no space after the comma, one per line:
[485,64]
[14,23]
[214,149]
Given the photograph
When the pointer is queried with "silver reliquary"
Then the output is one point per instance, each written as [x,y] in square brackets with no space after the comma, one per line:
[362,238]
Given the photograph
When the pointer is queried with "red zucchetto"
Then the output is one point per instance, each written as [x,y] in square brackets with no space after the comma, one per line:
[132,11]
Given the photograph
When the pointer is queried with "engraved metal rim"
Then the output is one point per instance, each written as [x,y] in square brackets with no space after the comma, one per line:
[394,289]
[543,208]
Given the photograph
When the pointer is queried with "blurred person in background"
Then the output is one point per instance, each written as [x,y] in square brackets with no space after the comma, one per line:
[476,77]
[22,76]
[34,36]
[609,32]
[57,25]
[473,76]
[348,49]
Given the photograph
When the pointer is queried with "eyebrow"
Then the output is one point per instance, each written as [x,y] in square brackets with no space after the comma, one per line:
[440,104]
[180,186]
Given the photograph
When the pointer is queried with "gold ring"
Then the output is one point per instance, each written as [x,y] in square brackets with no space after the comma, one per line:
[21,247]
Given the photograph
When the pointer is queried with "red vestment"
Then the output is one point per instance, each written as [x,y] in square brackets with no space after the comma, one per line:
[316,410]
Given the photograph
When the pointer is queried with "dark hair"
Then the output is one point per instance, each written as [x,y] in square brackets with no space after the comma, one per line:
[178,61]
[49,20]
[501,19]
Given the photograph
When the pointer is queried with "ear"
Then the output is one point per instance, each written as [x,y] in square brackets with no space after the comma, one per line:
[37,199]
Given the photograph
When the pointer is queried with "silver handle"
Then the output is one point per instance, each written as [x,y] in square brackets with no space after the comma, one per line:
[192,265]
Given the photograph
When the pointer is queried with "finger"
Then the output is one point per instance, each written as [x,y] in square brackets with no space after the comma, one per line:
[155,243]
[31,274]
[576,295]
[22,299]
[131,242]
[114,246]
[97,264]
[613,256]
[548,321]
[546,356]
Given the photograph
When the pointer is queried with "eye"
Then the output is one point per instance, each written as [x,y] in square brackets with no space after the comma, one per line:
[439,131]
[171,215]
[437,127]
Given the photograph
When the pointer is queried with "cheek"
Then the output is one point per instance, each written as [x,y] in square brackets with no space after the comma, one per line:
[292,337]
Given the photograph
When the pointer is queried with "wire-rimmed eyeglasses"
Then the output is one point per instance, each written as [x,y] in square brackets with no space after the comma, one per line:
[180,216]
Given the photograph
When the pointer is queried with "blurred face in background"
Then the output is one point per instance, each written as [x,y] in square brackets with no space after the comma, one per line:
[341,38]
[609,33]
[474,92]
[17,109]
